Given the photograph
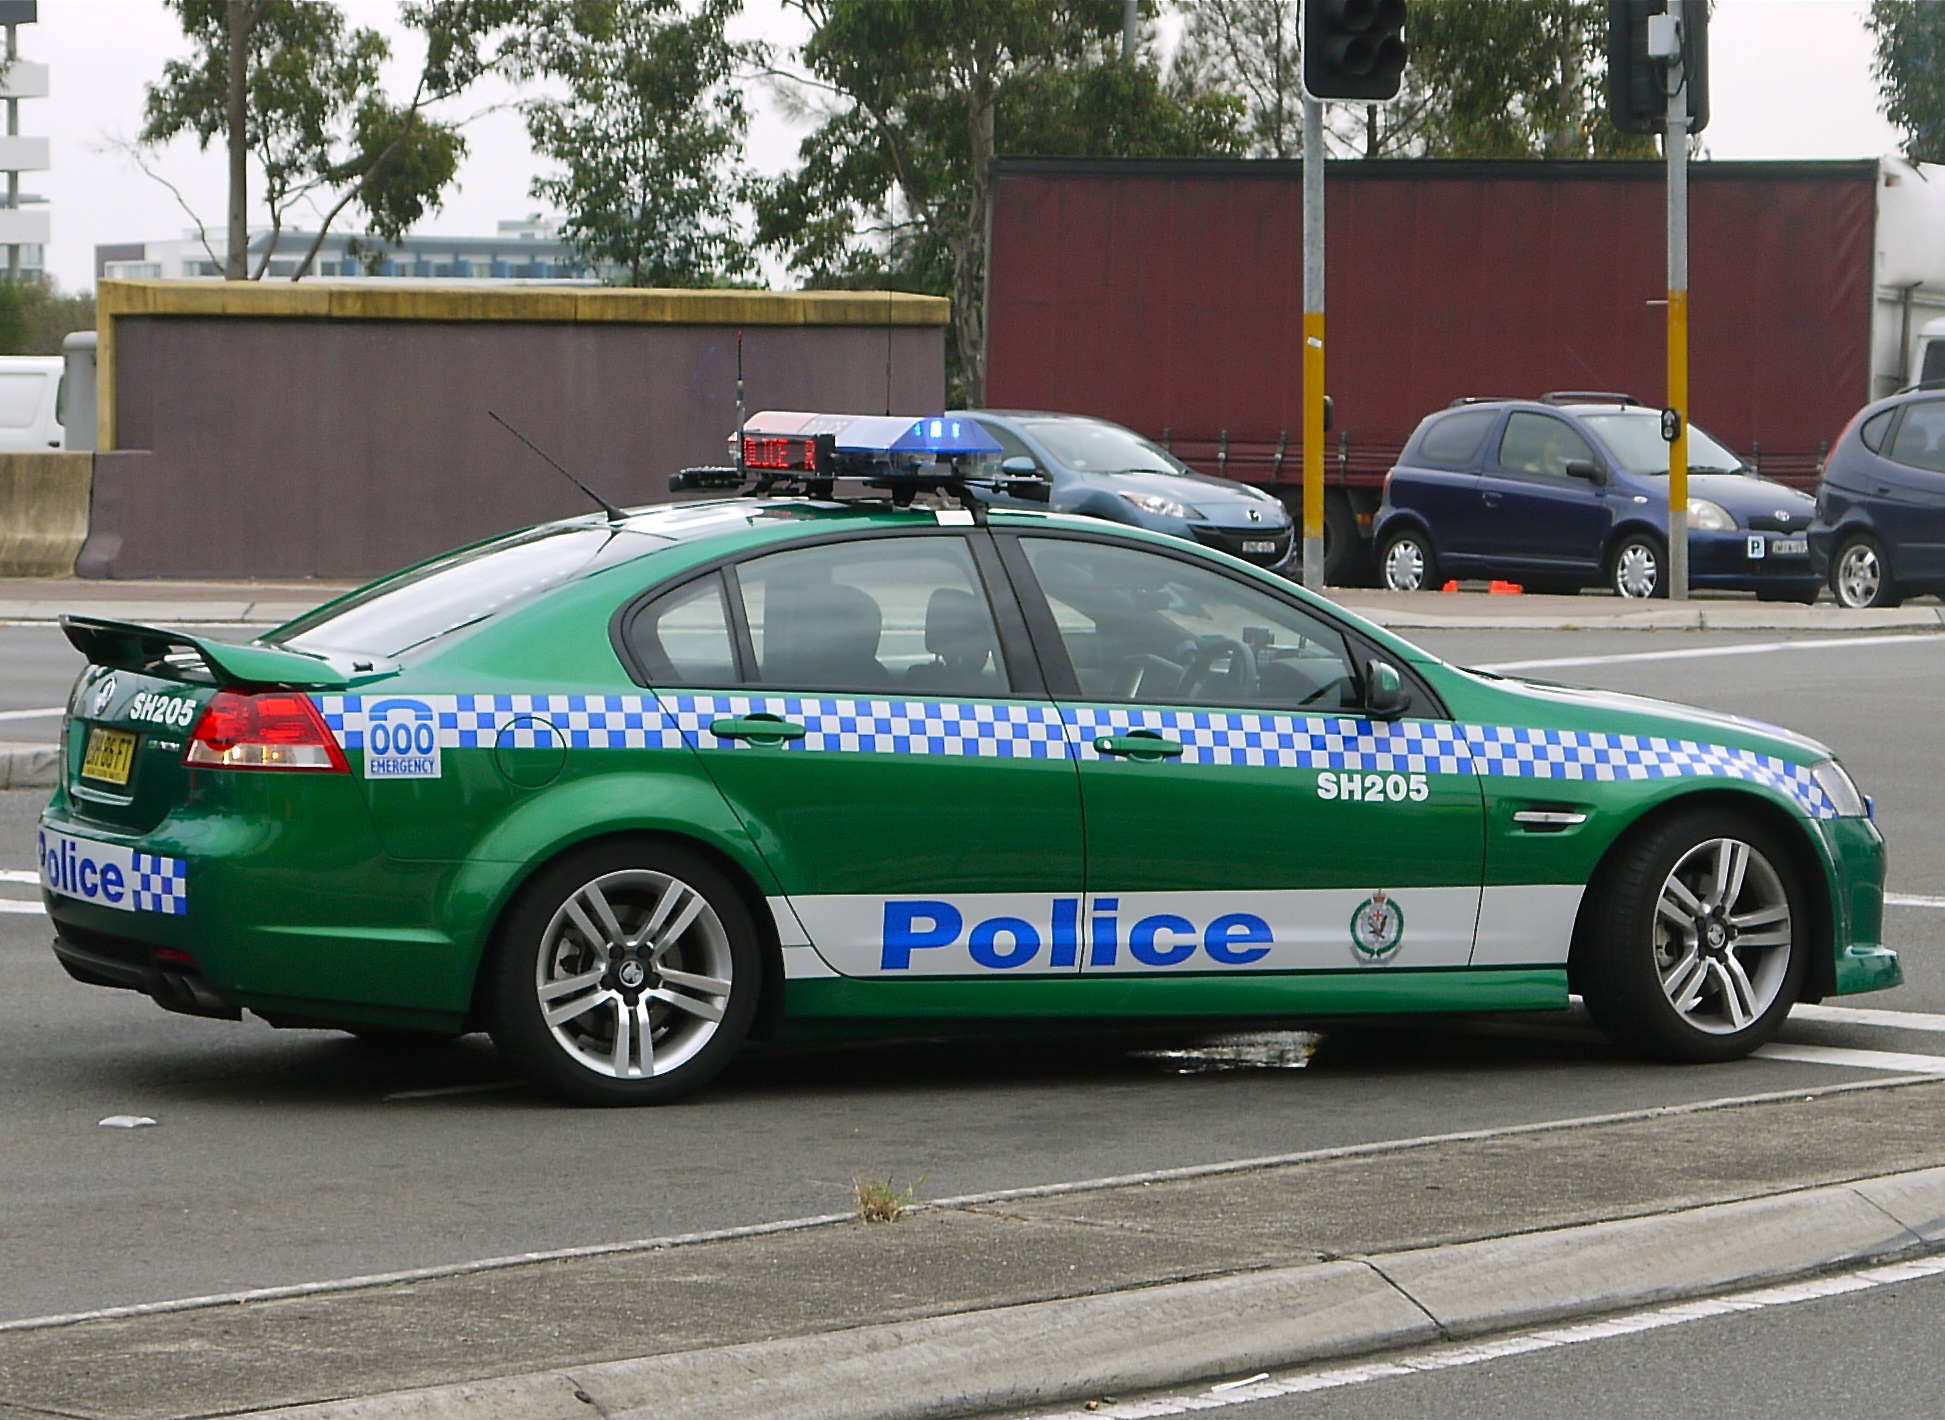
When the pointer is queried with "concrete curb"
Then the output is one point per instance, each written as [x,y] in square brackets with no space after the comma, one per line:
[29,766]
[1697,616]
[1043,1353]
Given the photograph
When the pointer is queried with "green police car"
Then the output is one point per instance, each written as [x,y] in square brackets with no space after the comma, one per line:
[629,790]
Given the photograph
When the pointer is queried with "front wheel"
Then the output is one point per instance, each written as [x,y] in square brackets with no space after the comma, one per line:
[626,974]
[1407,563]
[1860,576]
[1696,939]
[1635,571]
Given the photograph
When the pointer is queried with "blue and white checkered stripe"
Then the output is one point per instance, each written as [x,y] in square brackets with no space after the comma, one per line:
[159,884]
[475,721]
[1287,741]
[999,730]
[1519,752]
[977,728]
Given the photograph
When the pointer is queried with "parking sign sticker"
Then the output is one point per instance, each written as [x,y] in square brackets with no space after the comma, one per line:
[401,740]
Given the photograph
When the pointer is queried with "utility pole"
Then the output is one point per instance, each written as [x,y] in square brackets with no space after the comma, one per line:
[1130,28]
[1666,42]
[1313,344]
[13,131]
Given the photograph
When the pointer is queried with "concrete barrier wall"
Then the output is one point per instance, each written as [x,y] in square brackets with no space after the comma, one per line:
[335,431]
[43,512]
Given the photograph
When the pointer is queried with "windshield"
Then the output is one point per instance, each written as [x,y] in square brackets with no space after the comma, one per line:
[1090,446]
[1634,439]
[392,617]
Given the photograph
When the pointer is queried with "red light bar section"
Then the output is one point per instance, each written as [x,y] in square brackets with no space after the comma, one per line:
[785,455]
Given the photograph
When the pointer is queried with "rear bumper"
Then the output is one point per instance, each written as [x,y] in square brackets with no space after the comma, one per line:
[101,959]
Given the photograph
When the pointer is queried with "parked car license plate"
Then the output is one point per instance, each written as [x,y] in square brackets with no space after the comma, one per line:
[1259,547]
[1790,547]
[110,755]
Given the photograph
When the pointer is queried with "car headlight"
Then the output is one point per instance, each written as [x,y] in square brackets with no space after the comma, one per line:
[1704,516]
[1839,789]
[1161,507]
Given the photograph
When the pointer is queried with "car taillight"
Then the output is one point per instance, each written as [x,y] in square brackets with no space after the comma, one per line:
[272,730]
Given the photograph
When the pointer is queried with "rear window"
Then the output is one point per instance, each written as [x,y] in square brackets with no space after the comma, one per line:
[1875,428]
[1453,442]
[418,607]
[1920,440]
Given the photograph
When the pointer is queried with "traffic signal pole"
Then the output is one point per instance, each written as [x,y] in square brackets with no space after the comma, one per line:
[1676,146]
[1313,344]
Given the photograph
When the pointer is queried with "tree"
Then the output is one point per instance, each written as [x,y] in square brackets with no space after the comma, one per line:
[894,185]
[650,135]
[1486,79]
[287,83]
[1910,69]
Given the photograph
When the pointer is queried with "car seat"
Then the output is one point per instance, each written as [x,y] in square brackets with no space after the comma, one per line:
[959,633]
[824,635]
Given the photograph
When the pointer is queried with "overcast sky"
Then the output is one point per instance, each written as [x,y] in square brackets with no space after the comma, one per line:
[1791,79]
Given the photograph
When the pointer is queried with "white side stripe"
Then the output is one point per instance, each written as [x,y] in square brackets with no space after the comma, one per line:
[34,909]
[1445,1358]
[1869,1016]
[1698,653]
[1907,899]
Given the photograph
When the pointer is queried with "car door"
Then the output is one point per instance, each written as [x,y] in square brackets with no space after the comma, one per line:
[1537,516]
[1440,481]
[870,709]
[1908,486]
[1242,814]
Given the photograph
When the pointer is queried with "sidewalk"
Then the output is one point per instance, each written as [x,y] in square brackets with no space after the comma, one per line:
[1051,1295]
[270,603]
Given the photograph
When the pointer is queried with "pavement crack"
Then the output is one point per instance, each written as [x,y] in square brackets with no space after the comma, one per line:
[1050,1218]
[1393,1283]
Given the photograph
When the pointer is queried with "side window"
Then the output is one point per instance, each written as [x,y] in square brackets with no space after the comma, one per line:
[684,638]
[1920,440]
[1539,443]
[1011,446]
[1453,441]
[905,616]
[1142,627]
[1876,427]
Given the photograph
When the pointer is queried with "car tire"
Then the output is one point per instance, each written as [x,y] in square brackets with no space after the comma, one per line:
[1408,563]
[1638,567]
[582,998]
[1672,966]
[1860,574]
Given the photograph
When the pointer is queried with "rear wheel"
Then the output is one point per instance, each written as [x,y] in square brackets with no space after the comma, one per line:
[626,974]
[1407,563]
[1636,570]
[1697,939]
[1860,575]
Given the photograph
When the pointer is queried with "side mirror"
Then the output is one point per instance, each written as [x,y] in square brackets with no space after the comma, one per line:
[1584,468]
[1384,691]
[1020,467]
[1021,478]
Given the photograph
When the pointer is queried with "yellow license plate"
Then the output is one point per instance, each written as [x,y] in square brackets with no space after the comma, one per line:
[110,755]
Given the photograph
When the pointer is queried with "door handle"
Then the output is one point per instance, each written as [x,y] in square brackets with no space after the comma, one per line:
[1491,499]
[757,729]
[1137,744]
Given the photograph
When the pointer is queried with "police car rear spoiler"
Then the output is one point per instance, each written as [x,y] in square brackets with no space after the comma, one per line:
[176,655]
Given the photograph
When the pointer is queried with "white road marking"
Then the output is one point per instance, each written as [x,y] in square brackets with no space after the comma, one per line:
[1870,1016]
[1696,653]
[19,875]
[1911,899]
[1895,1060]
[1525,1343]
[8,904]
[32,714]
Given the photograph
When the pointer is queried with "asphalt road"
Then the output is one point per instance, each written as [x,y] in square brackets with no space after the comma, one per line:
[40,670]
[1870,1355]
[278,1156]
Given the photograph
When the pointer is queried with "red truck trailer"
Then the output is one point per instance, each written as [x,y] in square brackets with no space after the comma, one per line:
[1167,296]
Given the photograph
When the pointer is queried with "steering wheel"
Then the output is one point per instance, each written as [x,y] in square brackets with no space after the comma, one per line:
[1237,683]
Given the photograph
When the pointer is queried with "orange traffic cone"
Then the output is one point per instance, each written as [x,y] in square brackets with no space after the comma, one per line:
[1506,589]
[1451,586]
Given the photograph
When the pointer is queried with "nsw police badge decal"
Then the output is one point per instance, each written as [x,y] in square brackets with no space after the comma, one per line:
[1377,928]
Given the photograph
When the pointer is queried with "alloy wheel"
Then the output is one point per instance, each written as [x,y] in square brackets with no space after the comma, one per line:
[1860,575]
[1722,936]
[634,974]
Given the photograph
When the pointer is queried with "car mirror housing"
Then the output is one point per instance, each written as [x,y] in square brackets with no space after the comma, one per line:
[1019,466]
[1385,697]
[1584,468]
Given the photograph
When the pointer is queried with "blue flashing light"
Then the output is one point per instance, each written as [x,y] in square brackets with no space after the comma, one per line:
[934,435]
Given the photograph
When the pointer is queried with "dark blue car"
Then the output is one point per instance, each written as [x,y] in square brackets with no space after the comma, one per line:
[1571,491]
[1880,528]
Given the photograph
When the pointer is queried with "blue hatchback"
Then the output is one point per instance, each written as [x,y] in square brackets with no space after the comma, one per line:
[1571,491]
[1880,528]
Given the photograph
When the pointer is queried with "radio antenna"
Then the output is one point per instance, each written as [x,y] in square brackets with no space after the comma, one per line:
[739,407]
[615,515]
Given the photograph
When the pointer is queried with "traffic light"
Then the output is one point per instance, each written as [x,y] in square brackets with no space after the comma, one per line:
[1353,49]
[1637,100]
